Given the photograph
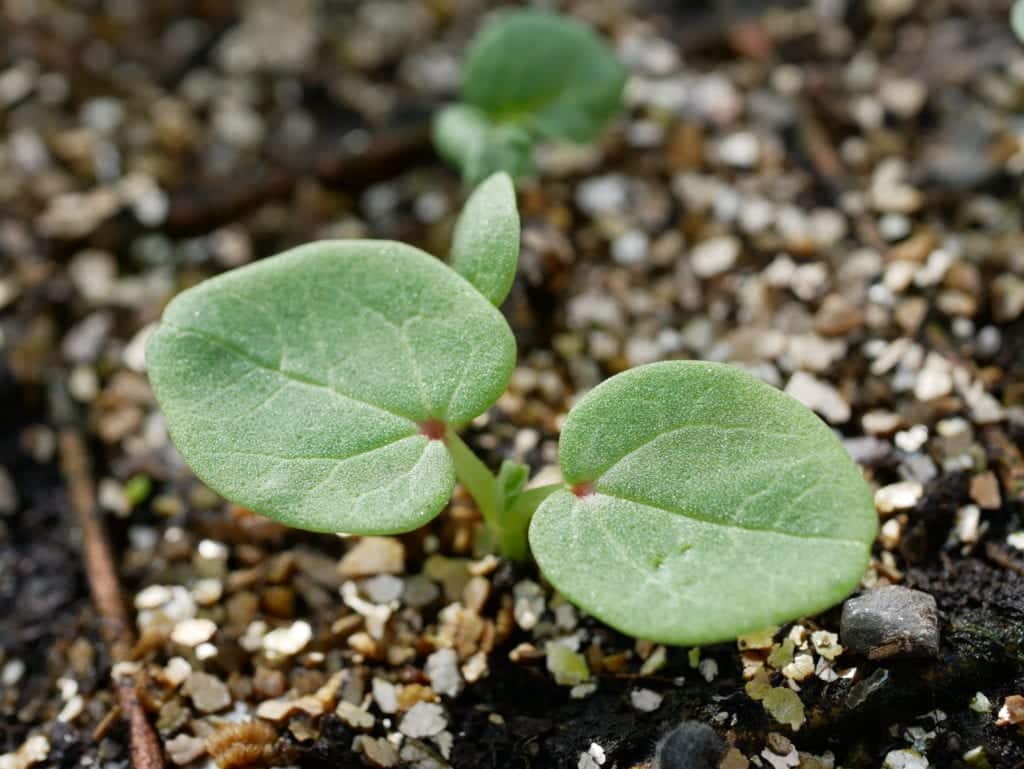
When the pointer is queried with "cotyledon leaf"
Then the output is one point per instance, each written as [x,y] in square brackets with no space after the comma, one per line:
[705,504]
[485,246]
[312,386]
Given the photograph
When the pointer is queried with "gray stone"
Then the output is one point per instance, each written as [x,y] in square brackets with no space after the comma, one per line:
[690,745]
[891,621]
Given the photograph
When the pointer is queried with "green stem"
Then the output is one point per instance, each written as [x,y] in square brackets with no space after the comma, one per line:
[507,523]
[513,536]
[474,477]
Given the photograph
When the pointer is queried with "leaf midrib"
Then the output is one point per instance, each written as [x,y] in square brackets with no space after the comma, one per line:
[690,426]
[241,352]
[722,524]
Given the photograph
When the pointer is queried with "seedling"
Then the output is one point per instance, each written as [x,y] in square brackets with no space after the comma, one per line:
[528,75]
[325,388]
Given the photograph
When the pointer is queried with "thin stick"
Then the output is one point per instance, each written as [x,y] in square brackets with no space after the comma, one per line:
[106,595]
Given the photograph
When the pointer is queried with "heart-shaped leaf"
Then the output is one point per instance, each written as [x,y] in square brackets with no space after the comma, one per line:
[466,138]
[314,387]
[707,504]
[546,72]
[485,246]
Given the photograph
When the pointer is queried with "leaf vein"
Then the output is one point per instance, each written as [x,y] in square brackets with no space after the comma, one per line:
[730,524]
[693,426]
[292,375]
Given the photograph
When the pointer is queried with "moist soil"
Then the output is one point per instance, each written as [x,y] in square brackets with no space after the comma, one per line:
[146,146]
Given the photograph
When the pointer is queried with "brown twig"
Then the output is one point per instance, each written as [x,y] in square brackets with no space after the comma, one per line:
[106,594]
[194,211]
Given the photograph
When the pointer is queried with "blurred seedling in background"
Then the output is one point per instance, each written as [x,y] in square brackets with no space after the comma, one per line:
[528,76]
[1017,19]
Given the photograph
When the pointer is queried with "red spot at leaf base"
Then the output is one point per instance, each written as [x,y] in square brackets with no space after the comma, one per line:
[583,489]
[433,429]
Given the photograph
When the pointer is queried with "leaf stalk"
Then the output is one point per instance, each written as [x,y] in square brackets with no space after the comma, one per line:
[503,499]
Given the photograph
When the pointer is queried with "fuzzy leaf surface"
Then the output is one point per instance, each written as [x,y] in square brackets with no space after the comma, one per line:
[485,246]
[546,72]
[719,506]
[296,386]
[469,140]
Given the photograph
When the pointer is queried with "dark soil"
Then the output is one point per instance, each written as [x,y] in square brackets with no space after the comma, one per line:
[262,196]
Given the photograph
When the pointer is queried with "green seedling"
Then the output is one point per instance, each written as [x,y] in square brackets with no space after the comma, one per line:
[325,388]
[528,75]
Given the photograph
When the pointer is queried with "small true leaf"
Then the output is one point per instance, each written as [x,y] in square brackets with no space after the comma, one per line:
[708,504]
[549,73]
[309,386]
[510,482]
[485,246]
[466,138]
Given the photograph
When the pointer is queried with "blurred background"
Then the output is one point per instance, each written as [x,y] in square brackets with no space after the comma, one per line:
[826,193]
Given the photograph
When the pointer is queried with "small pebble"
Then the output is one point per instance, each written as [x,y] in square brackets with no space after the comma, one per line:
[529,603]
[378,751]
[645,700]
[208,693]
[443,671]
[192,632]
[933,383]
[385,694]
[602,195]
[384,588]
[691,745]
[715,256]
[980,703]
[1012,711]
[177,671]
[911,440]
[355,716]
[424,719]
[898,496]
[184,749]
[820,396]
[905,759]
[31,752]
[630,248]
[891,621]
[287,641]
[985,492]
[371,556]
[740,150]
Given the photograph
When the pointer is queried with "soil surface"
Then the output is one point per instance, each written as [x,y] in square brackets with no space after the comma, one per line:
[827,194]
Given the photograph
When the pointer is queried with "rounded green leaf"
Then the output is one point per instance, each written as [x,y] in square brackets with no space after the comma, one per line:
[299,386]
[707,504]
[485,246]
[547,72]
[468,140]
